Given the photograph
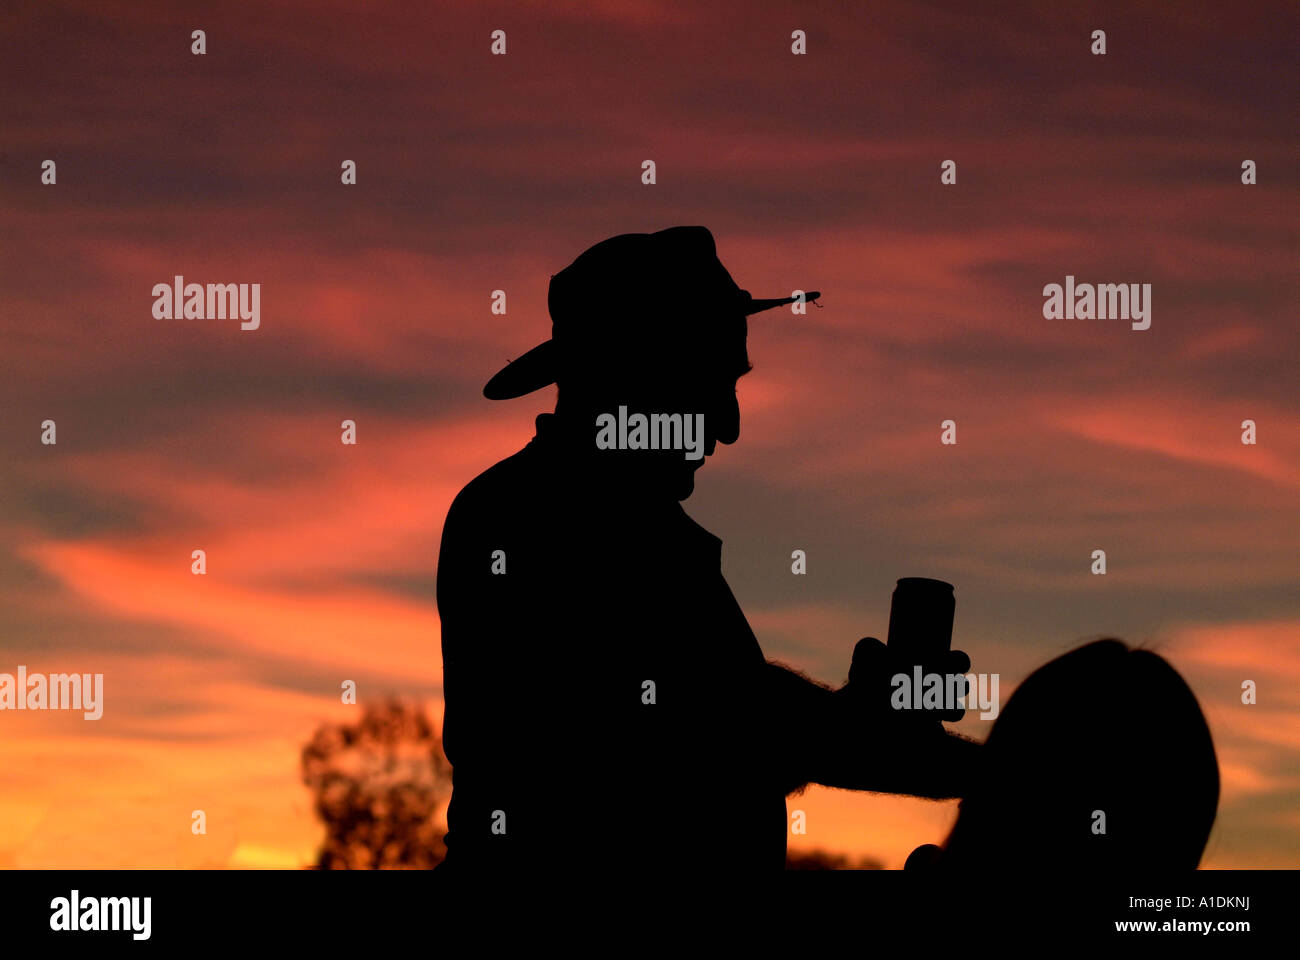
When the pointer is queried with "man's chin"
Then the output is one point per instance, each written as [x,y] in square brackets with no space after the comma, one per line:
[687,482]
[685,485]
[675,477]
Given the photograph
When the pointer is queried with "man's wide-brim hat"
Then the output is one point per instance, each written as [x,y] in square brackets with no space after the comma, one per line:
[620,298]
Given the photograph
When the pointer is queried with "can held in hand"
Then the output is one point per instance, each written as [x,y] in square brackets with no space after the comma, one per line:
[920,619]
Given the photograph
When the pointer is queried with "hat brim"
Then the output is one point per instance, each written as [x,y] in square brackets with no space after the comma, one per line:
[535,369]
[539,366]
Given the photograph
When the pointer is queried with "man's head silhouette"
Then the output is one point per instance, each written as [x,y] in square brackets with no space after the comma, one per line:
[651,322]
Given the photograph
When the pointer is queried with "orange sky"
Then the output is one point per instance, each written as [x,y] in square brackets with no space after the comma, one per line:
[478,173]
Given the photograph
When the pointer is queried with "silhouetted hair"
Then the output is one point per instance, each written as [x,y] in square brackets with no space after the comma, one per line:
[1104,730]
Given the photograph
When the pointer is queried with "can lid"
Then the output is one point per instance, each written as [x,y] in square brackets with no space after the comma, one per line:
[923,582]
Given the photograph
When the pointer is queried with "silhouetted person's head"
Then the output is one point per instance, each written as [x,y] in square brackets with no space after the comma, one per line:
[1103,731]
[689,366]
[654,324]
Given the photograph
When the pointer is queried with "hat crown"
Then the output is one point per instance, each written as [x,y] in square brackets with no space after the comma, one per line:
[641,275]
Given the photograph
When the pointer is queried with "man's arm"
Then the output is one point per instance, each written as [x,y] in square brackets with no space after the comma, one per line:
[850,738]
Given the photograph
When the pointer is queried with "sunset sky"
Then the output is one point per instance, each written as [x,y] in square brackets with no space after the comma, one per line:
[478,172]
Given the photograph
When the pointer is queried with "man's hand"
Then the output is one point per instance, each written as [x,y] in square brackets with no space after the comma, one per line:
[872,685]
[853,738]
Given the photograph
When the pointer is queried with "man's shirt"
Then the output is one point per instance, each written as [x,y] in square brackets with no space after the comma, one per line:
[607,704]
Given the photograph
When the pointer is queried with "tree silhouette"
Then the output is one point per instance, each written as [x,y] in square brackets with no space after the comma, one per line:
[819,859]
[379,786]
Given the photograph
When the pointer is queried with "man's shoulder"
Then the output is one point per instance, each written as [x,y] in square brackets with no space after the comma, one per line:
[502,489]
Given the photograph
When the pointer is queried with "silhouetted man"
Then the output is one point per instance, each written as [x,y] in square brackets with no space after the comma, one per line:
[607,705]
